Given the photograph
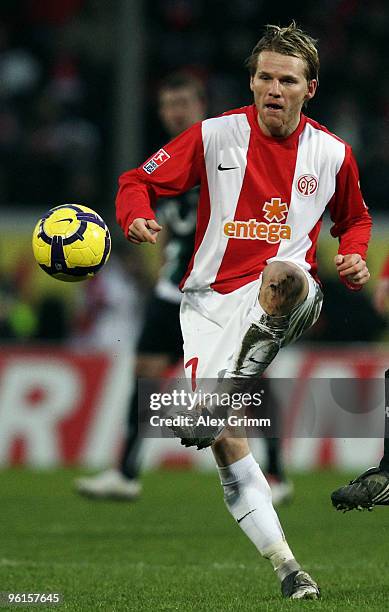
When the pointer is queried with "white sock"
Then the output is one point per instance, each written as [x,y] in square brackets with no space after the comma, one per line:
[248,498]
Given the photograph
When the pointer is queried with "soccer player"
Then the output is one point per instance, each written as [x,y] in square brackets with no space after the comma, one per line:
[372,487]
[181,103]
[266,174]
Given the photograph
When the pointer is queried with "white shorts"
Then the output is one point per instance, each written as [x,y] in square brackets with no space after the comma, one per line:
[214,324]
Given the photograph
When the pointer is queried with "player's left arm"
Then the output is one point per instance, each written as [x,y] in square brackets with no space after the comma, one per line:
[352,225]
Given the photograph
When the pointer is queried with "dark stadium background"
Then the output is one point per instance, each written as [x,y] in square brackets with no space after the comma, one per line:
[77,71]
[78,83]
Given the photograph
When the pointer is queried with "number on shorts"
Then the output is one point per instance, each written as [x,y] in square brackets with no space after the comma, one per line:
[193,364]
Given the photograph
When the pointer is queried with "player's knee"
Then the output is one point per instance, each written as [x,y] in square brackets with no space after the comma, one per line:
[284,286]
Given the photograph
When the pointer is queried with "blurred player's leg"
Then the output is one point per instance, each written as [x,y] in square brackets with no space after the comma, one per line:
[159,346]
[372,487]
[129,462]
[122,483]
[384,463]
[281,487]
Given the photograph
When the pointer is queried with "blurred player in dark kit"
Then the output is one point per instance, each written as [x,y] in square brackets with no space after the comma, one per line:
[372,487]
[181,102]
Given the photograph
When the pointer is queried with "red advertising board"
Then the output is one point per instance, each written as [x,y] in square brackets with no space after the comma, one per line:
[51,402]
[60,407]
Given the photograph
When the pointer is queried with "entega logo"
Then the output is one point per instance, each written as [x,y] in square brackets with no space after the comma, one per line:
[275,210]
[257,230]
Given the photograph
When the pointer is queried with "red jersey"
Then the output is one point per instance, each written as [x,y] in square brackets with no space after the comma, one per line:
[261,198]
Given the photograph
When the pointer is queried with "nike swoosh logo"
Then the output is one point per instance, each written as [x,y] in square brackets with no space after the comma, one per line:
[243,517]
[60,221]
[220,167]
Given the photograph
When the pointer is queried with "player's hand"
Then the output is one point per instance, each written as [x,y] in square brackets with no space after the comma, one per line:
[381,295]
[353,268]
[143,230]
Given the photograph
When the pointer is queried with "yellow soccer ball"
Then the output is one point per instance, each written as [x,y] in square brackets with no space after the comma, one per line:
[71,242]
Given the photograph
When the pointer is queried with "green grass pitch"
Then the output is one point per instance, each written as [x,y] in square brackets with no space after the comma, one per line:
[179,549]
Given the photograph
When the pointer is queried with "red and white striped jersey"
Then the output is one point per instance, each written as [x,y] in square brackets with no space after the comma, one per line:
[261,198]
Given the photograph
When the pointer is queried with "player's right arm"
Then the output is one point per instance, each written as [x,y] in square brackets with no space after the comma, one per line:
[171,171]
[143,230]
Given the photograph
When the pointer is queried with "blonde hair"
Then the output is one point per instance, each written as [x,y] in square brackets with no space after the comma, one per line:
[290,40]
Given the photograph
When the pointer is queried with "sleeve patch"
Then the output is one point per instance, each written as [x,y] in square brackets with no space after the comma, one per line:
[157,160]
